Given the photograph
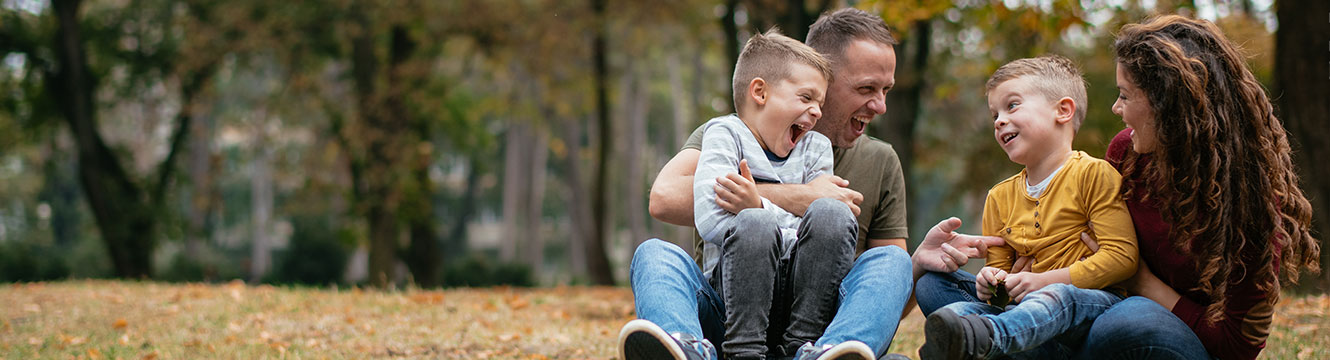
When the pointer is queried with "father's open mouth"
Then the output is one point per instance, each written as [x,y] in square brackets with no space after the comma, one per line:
[859,123]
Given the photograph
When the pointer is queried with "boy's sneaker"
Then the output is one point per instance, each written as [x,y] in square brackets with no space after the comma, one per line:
[849,350]
[949,336]
[643,340]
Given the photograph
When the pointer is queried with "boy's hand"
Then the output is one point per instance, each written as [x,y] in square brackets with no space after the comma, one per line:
[987,277]
[1021,284]
[736,192]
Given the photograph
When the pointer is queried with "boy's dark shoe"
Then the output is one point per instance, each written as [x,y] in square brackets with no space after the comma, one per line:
[644,340]
[849,350]
[948,336]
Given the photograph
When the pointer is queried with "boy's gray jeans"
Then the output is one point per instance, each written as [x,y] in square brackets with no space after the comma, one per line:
[772,306]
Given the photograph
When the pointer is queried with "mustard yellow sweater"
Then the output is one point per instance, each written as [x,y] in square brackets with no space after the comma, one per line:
[1048,228]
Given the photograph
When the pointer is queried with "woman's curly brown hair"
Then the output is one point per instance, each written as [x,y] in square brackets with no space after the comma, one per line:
[1222,174]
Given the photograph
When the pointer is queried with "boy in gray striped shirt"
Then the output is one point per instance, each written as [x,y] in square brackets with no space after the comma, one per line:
[777,272]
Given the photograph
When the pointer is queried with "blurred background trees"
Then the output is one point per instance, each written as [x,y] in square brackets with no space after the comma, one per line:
[477,143]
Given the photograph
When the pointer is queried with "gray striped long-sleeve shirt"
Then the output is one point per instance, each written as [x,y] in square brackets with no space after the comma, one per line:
[727,140]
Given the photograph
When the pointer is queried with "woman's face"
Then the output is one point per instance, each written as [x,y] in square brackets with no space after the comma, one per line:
[1135,110]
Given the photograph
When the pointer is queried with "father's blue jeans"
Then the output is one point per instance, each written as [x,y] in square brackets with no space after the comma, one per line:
[670,290]
[1135,328]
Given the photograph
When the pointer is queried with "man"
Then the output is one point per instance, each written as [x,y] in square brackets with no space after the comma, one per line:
[681,315]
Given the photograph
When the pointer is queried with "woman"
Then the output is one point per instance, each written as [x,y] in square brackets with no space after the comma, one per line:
[1213,194]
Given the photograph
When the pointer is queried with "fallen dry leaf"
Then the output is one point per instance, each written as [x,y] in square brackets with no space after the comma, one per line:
[427,298]
[517,303]
[72,340]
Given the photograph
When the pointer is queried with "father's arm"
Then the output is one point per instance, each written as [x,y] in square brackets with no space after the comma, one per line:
[671,198]
[795,198]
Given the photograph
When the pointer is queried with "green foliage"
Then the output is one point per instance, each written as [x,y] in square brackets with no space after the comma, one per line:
[478,271]
[27,261]
[317,255]
[87,259]
[182,269]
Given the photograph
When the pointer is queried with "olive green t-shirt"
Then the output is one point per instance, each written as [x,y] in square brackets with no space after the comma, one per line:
[873,170]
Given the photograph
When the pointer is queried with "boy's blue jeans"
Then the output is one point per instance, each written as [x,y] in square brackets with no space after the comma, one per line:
[1061,321]
[671,291]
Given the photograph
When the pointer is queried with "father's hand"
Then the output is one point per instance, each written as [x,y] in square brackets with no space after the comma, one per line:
[944,250]
[832,186]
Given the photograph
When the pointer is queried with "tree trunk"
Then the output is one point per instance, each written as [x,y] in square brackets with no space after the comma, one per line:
[378,190]
[60,190]
[732,45]
[457,237]
[200,190]
[1302,79]
[261,203]
[683,106]
[534,247]
[636,108]
[904,104]
[515,189]
[423,257]
[579,212]
[123,213]
[598,263]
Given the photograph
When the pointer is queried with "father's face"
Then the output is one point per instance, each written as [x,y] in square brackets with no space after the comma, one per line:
[858,91]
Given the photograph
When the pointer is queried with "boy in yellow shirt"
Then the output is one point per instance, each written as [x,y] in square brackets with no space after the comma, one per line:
[1037,106]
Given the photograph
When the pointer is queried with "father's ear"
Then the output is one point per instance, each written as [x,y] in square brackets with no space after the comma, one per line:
[1066,108]
[757,91]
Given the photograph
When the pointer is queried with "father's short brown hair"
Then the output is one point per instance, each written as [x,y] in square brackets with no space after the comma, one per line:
[1055,77]
[833,31]
[769,56]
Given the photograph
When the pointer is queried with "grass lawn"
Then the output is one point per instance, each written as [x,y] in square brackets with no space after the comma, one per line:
[133,320]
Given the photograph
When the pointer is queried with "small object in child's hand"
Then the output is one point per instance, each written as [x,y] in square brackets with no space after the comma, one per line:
[1000,297]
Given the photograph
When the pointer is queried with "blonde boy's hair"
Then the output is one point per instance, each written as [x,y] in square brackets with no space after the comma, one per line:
[769,57]
[1055,77]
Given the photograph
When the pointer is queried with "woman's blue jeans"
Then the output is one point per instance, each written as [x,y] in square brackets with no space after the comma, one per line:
[1062,321]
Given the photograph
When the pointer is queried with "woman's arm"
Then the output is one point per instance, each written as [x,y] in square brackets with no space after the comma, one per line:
[1146,284]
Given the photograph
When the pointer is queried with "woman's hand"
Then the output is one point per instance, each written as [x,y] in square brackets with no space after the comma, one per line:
[1026,263]
[985,278]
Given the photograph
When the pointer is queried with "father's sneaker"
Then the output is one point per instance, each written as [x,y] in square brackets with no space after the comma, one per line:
[643,340]
[849,350]
[948,336]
